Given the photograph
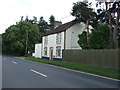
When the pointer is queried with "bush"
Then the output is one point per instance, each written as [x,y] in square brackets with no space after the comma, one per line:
[98,38]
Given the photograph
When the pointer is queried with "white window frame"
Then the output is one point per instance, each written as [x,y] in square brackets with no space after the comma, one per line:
[45,51]
[57,54]
[58,38]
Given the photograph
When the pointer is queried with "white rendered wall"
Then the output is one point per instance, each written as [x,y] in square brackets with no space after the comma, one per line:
[38,50]
[72,36]
[52,43]
[71,40]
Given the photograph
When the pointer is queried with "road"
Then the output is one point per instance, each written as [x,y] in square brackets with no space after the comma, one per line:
[20,73]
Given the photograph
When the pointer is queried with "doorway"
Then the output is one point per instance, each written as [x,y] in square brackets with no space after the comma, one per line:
[51,53]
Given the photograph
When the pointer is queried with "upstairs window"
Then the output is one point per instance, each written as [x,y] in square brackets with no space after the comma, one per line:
[58,38]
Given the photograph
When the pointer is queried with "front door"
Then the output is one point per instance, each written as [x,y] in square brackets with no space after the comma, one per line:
[51,53]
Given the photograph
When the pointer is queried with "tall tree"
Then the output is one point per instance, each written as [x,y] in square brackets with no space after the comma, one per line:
[26,19]
[116,32]
[52,21]
[21,18]
[110,15]
[34,19]
[43,25]
[82,11]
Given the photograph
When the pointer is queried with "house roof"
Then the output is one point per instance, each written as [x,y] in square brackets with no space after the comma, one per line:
[61,28]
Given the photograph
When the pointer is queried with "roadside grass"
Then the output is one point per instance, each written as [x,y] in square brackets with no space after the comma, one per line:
[112,73]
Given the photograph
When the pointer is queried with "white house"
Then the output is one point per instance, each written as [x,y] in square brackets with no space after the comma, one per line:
[64,36]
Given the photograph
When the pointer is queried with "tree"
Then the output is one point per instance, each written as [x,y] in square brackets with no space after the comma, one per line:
[26,19]
[82,11]
[110,15]
[21,18]
[43,25]
[52,21]
[116,32]
[34,19]
[99,38]
[83,40]
[18,39]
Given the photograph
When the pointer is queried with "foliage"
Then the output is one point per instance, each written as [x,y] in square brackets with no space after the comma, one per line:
[34,19]
[110,15]
[43,25]
[52,20]
[99,38]
[18,37]
[83,40]
[83,11]
[102,13]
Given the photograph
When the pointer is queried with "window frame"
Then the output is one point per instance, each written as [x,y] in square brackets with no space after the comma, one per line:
[58,38]
[45,51]
[58,51]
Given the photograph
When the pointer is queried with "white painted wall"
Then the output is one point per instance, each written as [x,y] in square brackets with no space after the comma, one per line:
[52,43]
[71,40]
[38,50]
[72,36]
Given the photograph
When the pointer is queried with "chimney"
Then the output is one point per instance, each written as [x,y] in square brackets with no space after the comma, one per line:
[57,23]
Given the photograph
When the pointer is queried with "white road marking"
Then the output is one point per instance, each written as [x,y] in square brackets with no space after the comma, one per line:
[38,73]
[14,62]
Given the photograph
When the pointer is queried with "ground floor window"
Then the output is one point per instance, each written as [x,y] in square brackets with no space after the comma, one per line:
[58,51]
[45,51]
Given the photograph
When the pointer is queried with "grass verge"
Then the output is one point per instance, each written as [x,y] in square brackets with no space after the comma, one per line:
[112,73]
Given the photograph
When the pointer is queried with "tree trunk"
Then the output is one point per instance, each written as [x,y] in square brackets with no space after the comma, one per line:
[87,22]
[115,39]
[119,26]
[110,26]
[26,48]
[111,32]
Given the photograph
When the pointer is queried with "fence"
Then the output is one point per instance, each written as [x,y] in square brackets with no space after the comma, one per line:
[103,58]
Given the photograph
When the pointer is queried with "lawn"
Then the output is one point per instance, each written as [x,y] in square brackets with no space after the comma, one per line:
[113,73]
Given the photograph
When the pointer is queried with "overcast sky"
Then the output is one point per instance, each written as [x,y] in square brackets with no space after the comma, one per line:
[12,10]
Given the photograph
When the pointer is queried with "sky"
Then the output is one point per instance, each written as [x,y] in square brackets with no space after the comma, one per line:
[12,10]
